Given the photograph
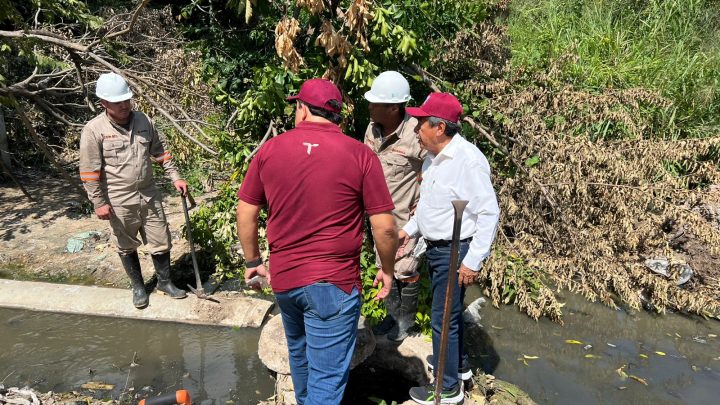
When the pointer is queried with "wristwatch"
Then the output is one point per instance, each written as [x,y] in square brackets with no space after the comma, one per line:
[253,263]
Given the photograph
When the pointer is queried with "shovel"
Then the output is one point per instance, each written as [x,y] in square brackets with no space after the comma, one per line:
[459,207]
[198,291]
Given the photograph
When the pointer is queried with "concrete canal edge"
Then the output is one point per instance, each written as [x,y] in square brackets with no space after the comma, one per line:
[230,310]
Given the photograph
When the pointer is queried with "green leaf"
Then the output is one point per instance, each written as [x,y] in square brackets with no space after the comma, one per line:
[532,161]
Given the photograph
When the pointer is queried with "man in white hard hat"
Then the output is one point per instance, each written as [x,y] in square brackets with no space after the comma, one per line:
[117,151]
[391,135]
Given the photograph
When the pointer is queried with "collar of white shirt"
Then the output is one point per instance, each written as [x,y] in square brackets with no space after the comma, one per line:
[448,152]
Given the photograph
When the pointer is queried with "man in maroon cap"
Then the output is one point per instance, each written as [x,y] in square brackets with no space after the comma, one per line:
[317,184]
[454,170]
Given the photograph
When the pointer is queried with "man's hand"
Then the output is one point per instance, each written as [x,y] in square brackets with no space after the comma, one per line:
[181,186]
[466,277]
[403,240]
[260,270]
[104,212]
[386,280]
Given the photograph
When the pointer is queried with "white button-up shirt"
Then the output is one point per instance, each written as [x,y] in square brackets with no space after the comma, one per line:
[459,172]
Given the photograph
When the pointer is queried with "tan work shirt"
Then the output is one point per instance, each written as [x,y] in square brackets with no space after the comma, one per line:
[401,158]
[116,163]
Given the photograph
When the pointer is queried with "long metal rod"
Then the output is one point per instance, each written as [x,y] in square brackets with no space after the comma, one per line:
[459,207]
[198,282]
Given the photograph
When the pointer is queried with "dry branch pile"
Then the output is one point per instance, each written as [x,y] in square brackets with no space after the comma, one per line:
[143,45]
[583,211]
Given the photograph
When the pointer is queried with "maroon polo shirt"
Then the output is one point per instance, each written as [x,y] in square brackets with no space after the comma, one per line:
[317,183]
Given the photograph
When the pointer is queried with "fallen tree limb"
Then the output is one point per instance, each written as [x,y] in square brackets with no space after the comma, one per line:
[84,58]
[43,146]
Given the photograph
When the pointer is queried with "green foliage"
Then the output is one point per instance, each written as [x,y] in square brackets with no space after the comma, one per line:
[375,311]
[214,229]
[669,46]
[51,11]
[372,310]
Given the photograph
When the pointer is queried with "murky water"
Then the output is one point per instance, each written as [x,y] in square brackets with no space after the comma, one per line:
[677,357]
[61,352]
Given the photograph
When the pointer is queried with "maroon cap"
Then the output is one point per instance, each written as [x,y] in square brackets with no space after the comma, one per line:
[319,93]
[440,105]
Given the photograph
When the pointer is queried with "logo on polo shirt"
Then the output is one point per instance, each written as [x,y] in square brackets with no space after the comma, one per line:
[310,146]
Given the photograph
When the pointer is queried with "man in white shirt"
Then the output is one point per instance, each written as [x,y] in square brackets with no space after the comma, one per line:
[454,169]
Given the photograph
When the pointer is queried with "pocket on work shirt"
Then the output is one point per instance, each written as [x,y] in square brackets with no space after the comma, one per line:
[143,154]
[395,166]
[324,299]
[143,146]
[114,152]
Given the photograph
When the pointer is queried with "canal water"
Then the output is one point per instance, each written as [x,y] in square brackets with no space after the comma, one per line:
[57,352]
[600,356]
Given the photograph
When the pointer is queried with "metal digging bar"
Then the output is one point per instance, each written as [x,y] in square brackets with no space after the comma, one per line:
[198,291]
[459,207]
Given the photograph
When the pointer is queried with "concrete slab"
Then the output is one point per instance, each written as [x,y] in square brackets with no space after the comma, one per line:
[234,311]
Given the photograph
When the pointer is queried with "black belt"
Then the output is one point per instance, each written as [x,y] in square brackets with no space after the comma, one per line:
[443,243]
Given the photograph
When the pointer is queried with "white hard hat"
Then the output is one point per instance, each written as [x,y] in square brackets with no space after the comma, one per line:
[113,88]
[389,87]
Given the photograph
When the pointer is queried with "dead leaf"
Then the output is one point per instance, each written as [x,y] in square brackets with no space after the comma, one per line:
[573,342]
[621,372]
[638,379]
[94,385]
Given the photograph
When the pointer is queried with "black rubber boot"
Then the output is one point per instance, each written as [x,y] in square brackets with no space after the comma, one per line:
[162,269]
[392,304]
[131,264]
[408,309]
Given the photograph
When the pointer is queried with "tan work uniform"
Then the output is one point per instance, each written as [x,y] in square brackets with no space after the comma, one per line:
[116,169]
[401,158]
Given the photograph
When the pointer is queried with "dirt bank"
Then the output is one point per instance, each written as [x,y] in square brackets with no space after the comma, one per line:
[35,236]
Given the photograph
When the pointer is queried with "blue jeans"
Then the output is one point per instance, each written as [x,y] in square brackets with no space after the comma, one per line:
[438,263]
[321,326]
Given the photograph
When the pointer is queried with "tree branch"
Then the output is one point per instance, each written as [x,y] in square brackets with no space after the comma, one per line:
[45,38]
[271,129]
[42,145]
[133,19]
[152,102]
[172,103]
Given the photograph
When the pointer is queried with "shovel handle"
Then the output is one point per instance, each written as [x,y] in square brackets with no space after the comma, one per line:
[198,282]
[191,200]
[458,207]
